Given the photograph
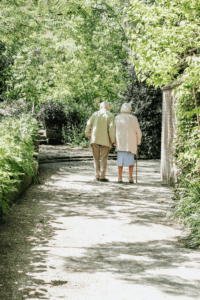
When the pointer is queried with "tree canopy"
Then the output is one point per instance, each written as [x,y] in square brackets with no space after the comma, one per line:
[64,49]
[165,42]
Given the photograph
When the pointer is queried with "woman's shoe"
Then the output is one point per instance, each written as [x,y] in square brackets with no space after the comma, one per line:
[131,180]
[120,180]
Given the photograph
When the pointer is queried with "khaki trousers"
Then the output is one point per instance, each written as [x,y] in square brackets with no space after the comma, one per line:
[100,152]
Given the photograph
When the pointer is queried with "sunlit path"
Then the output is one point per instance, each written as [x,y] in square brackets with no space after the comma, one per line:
[95,240]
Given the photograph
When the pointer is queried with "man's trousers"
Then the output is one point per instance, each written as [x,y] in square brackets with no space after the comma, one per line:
[100,152]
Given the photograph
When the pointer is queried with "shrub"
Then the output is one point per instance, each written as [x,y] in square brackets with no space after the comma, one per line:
[52,115]
[6,61]
[74,129]
[188,209]
[74,136]
[16,153]
[187,158]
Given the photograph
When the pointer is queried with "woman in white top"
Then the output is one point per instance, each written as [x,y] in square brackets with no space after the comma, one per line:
[128,136]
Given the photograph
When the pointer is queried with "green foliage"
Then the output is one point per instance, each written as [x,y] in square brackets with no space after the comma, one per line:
[188,209]
[187,158]
[147,107]
[5,64]
[74,129]
[71,119]
[75,136]
[164,39]
[52,114]
[16,153]
[64,51]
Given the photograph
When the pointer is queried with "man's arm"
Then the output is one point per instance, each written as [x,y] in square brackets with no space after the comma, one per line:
[89,125]
[112,130]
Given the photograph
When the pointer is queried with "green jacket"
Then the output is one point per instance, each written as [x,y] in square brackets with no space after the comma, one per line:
[101,128]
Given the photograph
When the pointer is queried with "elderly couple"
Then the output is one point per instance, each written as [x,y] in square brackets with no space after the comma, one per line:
[123,131]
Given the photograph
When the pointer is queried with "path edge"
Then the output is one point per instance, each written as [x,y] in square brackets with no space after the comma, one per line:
[22,186]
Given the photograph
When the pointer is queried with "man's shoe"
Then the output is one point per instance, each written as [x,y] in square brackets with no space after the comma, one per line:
[131,180]
[120,180]
[104,179]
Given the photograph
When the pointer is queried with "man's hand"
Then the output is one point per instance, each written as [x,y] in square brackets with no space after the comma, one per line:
[115,144]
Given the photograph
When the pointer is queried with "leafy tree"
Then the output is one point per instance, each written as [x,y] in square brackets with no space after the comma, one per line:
[65,51]
[164,38]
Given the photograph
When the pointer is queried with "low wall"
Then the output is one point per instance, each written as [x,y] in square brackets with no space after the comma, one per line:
[25,182]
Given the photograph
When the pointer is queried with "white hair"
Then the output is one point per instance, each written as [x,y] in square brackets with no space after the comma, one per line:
[126,108]
[104,105]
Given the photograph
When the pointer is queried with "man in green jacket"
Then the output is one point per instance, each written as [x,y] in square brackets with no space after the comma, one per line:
[101,129]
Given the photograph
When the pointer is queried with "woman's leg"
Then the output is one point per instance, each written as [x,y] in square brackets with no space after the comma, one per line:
[131,171]
[120,170]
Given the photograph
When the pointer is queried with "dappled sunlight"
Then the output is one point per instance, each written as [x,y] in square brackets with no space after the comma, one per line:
[155,264]
[92,237]
[96,223]
[106,200]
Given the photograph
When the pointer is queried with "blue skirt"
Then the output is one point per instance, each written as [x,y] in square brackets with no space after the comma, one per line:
[125,159]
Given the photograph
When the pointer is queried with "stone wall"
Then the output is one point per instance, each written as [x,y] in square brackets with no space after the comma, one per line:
[21,187]
[168,168]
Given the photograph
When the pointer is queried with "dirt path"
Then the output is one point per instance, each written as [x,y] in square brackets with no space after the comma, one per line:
[72,238]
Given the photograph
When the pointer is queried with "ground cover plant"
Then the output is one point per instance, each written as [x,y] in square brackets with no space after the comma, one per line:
[16,153]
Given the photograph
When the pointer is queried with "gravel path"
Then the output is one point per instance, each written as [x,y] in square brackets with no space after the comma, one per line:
[72,238]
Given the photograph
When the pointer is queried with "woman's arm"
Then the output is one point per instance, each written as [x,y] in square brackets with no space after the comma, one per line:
[138,131]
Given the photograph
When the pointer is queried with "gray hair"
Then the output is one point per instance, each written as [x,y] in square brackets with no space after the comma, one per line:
[104,105]
[126,108]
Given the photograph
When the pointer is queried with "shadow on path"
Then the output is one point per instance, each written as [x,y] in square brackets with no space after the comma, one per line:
[69,229]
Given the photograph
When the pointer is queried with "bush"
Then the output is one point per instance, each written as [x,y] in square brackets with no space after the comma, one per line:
[74,129]
[16,153]
[187,158]
[188,210]
[52,115]
[6,61]
[74,136]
